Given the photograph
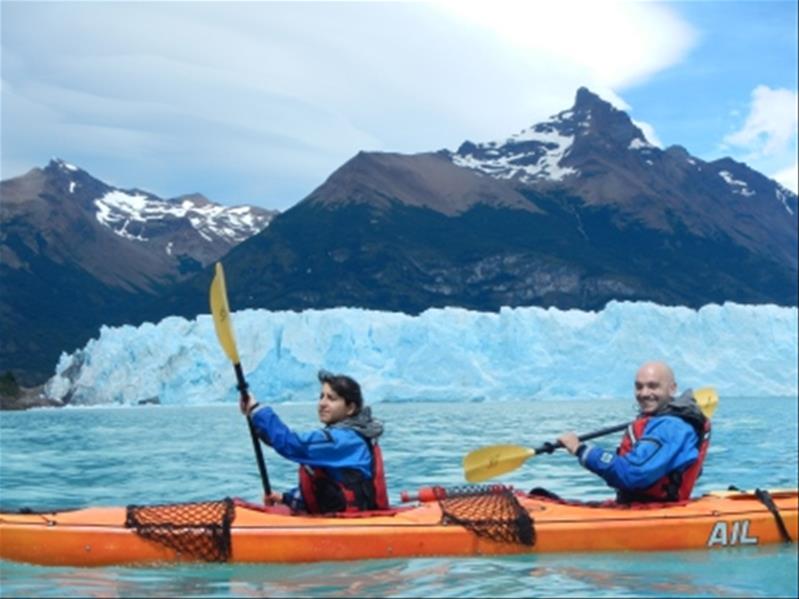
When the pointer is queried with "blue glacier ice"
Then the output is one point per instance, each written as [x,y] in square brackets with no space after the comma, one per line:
[441,354]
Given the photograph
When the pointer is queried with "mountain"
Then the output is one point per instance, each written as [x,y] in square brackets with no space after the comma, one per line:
[594,152]
[572,212]
[76,253]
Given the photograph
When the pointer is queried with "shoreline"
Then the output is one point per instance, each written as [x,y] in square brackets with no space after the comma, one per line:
[28,398]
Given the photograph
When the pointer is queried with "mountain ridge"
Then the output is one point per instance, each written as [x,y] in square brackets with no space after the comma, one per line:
[573,212]
[76,253]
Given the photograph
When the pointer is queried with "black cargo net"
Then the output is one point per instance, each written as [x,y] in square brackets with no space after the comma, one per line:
[491,512]
[194,530]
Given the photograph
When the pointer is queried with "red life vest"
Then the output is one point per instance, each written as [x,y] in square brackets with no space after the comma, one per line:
[354,493]
[674,486]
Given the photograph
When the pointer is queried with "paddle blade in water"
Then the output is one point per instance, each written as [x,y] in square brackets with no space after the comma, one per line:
[221,313]
[708,399]
[489,462]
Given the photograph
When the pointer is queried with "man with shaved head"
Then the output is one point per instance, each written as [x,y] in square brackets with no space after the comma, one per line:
[661,453]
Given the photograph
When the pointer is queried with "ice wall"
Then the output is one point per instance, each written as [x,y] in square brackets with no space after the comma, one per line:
[442,354]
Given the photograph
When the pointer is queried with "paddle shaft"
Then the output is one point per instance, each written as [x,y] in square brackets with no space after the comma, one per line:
[706,398]
[259,454]
[550,447]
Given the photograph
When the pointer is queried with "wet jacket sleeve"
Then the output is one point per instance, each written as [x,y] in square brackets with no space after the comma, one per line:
[668,444]
[331,448]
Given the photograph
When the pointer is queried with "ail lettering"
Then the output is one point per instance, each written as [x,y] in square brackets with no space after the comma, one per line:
[731,533]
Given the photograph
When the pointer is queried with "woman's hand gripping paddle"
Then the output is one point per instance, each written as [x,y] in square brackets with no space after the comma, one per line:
[495,460]
[224,332]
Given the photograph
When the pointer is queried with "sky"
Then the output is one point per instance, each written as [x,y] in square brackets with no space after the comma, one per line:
[258,102]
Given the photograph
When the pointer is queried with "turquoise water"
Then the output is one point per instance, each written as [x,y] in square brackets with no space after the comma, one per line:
[152,454]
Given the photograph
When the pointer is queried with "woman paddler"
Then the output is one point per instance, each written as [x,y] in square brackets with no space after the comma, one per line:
[341,465]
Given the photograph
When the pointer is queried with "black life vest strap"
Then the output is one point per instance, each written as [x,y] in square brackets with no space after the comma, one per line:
[672,487]
[765,499]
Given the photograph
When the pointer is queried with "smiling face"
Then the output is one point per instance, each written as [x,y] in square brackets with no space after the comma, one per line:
[654,386]
[332,407]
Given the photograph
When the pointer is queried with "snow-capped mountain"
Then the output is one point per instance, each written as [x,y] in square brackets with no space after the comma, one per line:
[141,216]
[554,150]
[596,152]
[130,214]
[77,253]
[573,212]
[534,154]
[571,145]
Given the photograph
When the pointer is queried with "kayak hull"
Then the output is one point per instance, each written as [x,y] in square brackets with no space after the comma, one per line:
[98,536]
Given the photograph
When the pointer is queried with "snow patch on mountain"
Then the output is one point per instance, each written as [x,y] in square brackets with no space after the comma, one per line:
[66,165]
[119,209]
[783,195]
[532,154]
[640,144]
[739,187]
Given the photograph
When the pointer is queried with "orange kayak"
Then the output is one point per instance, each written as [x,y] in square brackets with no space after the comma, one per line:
[507,523]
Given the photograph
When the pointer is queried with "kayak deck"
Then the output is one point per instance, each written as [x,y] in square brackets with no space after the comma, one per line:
[103,536]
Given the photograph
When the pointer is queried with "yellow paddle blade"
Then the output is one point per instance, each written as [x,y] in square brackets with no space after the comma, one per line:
[495,460]
[221,313]
[707,399]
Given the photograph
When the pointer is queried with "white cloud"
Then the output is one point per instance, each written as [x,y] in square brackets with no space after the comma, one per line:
[649,132]
[788,177]
[770,127]
[614,42]
[767,138]
[261,101]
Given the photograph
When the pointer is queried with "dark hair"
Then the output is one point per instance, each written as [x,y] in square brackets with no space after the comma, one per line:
[345,387]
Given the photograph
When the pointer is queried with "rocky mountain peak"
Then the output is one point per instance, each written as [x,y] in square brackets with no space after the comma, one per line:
[588,103]
[585,98]
[59,164]
[59,170]
[678,151]
[600,118]
[551,150]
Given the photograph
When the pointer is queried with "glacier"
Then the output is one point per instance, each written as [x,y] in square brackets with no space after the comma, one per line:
[443,354]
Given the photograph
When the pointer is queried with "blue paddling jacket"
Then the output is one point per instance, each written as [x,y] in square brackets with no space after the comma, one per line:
[339,449]
[669,445]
